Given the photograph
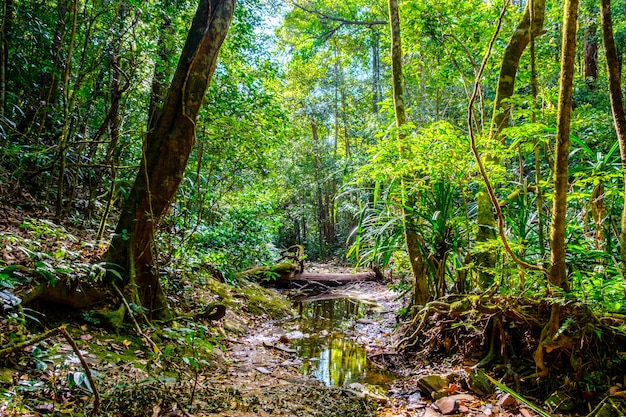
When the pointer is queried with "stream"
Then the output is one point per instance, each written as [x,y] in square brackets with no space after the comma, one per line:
[324,342]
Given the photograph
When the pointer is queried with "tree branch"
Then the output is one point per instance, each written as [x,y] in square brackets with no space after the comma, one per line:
[343,21]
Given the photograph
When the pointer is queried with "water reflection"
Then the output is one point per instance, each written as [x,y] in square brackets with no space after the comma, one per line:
[326,353]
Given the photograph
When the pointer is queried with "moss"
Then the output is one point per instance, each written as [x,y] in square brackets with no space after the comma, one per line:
[261,300]
[113,318]
[254,298]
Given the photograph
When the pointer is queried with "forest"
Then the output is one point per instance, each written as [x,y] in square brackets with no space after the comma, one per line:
[309,208]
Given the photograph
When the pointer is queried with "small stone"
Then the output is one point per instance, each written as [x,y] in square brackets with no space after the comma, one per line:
[507,401]
[447,405]
[524,412]
[44,408]
[431,383]
[431,413]
[414,398]
[263,370]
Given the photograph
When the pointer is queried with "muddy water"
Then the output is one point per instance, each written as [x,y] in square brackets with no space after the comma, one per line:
[325,349]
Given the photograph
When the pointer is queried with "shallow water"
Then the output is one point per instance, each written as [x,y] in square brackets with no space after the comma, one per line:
[327,353]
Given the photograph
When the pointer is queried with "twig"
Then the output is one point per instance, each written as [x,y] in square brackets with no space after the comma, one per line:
[155,348]
[92,383]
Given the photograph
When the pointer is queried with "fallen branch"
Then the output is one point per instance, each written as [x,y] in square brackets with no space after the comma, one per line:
[49,333]
[21,345]
[83,362]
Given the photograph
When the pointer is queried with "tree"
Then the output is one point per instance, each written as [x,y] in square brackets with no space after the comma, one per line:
[166,151]
[530,25]
[617,105]
[558,272]
[420,290]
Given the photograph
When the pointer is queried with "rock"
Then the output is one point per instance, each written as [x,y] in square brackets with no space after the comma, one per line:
[431,413]
[235,327]
[361,391]
[440,394]
[263,370]
[451,404]
[430,384]
[414,398]
[47,408]
[507,401]
[447,405]
[296,334]
[478,383]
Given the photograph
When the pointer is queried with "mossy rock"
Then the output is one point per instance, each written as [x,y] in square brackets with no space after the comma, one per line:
[251,297]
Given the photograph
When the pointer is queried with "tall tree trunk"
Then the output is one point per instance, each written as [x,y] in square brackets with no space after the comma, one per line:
[617,105]
[321,211]
[533,14]
[418,267]
[558,273]
[165,156]
[5,30]
[376,94]
[591,55]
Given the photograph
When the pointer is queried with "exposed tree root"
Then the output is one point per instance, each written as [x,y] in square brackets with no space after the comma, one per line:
[522,340]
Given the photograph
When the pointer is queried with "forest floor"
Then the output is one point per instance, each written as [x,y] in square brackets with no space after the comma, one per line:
[253,362]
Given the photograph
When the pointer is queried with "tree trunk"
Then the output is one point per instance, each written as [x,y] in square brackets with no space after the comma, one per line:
[533,15]
[376,94]
[558,273]
[165,156]
[617,105]
[510,62]
[591,55]
[418,265]
[5,30]
[321,212]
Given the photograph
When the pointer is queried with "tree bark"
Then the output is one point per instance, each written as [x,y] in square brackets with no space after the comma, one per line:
[418,265]
[591,55]
[558,273]
[165,156]
[510,62]
[5,30]
[617,106]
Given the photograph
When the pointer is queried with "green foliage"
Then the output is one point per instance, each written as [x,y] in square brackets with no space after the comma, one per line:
[434,169]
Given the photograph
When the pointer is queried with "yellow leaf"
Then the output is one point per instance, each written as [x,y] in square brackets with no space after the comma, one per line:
[126,343]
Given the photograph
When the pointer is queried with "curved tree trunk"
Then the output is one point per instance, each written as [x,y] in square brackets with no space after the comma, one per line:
[617,105]
[418,265]
[510,62]
[167,148]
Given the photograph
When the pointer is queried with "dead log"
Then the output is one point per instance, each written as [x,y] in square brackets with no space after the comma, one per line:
[328,279]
